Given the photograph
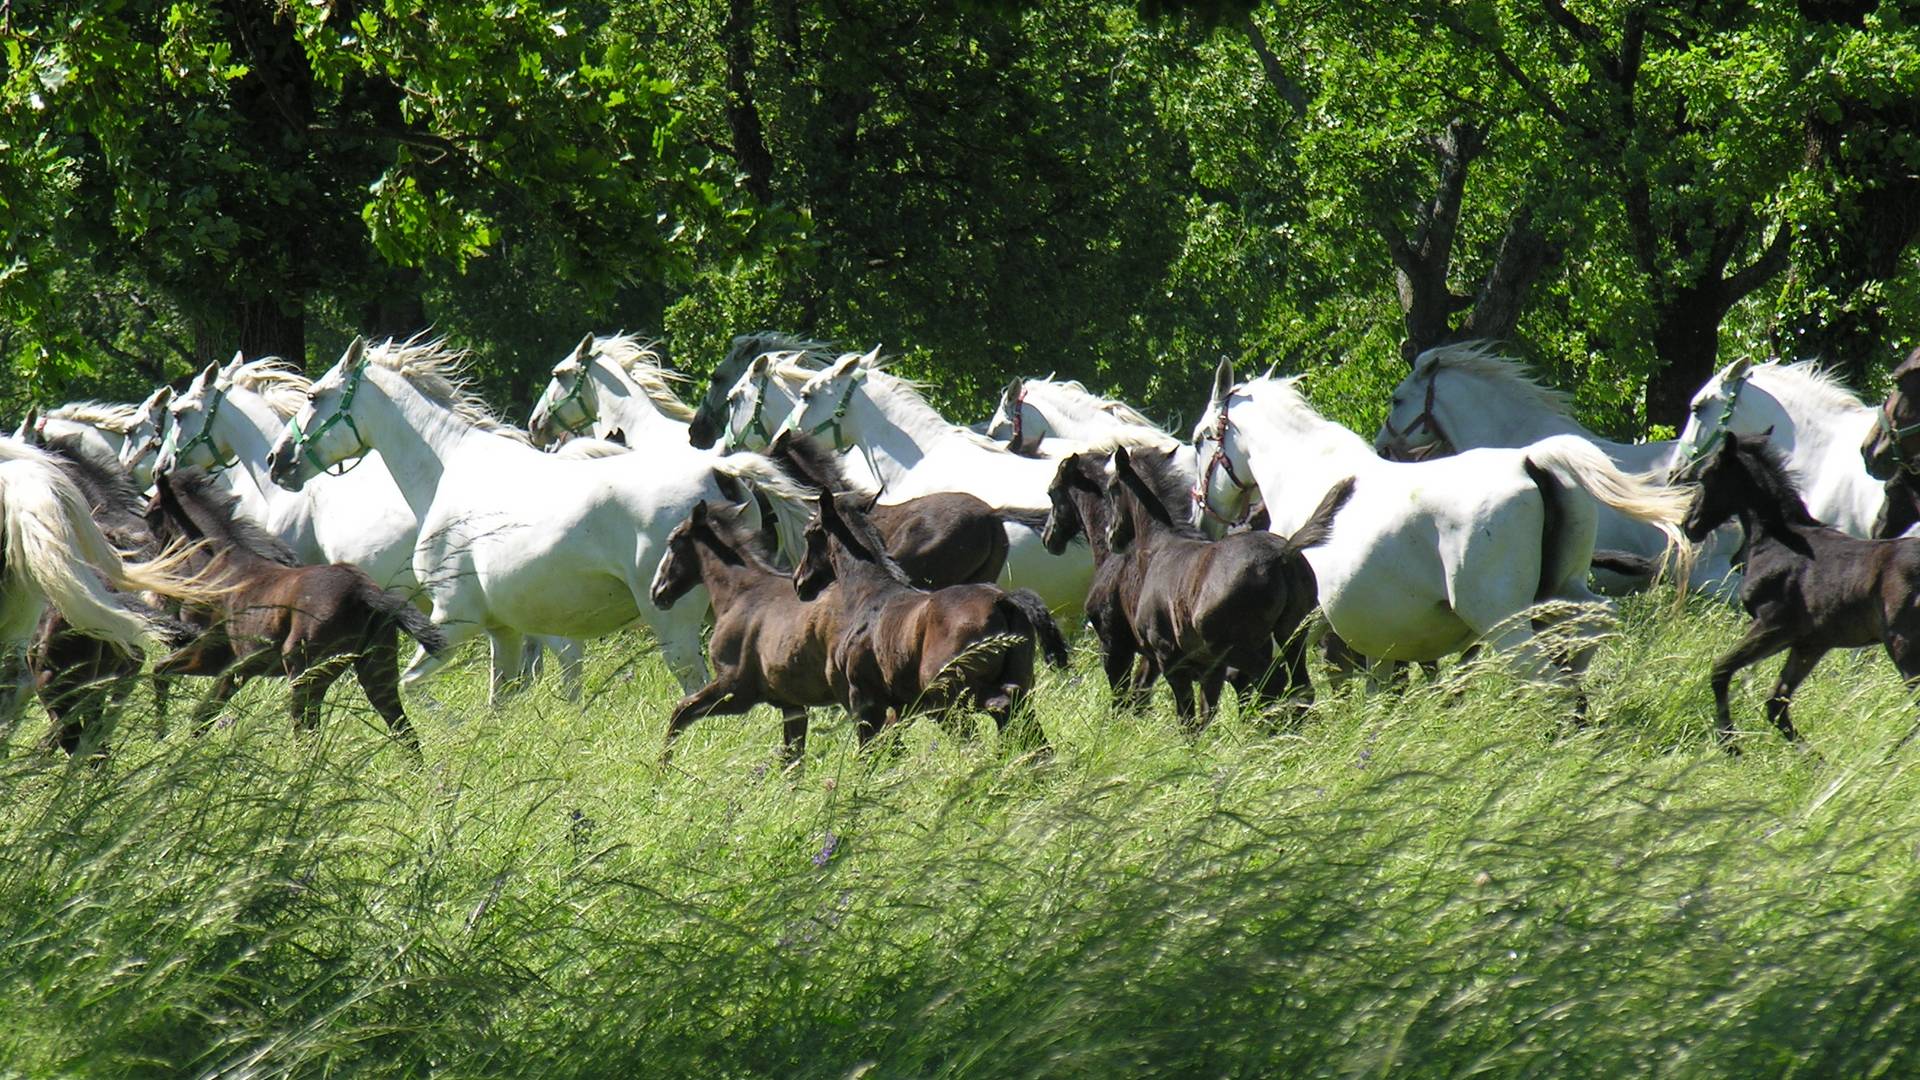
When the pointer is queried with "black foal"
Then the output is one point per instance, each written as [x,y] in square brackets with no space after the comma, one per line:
[1809,588]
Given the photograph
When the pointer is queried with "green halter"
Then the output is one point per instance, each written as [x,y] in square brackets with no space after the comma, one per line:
[575,395]
[203,437]
[1883,422]
[1723,424]
[756,424]
[304,442]
[838,416]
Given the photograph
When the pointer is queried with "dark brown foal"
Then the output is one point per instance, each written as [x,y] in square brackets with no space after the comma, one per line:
[901,649]
[768,645]
[947,538]
[1808,587]
[304,623]
[1078,495]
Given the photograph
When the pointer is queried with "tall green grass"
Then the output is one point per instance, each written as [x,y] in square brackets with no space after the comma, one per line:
[1441,880]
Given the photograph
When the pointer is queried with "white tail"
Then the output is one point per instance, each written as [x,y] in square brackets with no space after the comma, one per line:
[1651,502]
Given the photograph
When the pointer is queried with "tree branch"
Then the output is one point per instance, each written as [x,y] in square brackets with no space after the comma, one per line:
[1283,84]
[1755,274]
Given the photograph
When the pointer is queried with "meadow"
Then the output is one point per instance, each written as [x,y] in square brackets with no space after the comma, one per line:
[1441,879]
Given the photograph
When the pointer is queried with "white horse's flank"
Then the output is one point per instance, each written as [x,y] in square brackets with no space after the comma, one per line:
[1805,412]
[1426,558]
[1466,396]
[1055,418]
[512,541]
[611,383]
[56,555]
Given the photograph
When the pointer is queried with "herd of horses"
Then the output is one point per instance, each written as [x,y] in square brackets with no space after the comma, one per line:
[850,547]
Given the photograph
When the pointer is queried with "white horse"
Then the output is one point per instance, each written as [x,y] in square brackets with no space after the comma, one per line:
[1805,412]
[55,554]
[512,541]
[1467,395]
[1055,418]
[610,383]
[100,427]
[910,450]
[705,431]
[229,419]
[1430,557]
[143,438]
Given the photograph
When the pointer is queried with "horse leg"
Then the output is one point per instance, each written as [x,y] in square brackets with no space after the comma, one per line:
[868,718]
[1181,684]
[793,731]
[717,697]
[1800,661]
[1761,642]
[378,670]
[572,654]
[458,632]
[505,646]
[203,713]
[307,689]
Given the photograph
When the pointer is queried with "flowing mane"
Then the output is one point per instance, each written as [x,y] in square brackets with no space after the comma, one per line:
[870,546]
[803,351]
[729,523]
[1767,467]
[1169,495]
[1810,381]
[1483,359]
[436,370]
[284,386]
[812,464]
[640,362]
[1113,407]
[105,415]
[899,392]
[117,504]
[214,512]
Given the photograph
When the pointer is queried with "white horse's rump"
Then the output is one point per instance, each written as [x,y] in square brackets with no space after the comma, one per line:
[1430,557]
[1467,396]
[1816,422]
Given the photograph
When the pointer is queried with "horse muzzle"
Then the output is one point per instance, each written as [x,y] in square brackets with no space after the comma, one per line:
[1876,453]
[701,433]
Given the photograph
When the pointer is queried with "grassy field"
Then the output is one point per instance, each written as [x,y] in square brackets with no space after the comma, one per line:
[1435,881]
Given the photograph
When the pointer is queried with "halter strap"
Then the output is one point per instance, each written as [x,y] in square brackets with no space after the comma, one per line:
[575,395]
[1018,401]
[1723,424]
[1221,462]
[1884,423]
[756,423]
[305,442]
[1426,420]
[204,437]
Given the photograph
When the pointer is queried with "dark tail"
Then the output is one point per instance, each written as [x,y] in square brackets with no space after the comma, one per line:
[1319,527]
[1625,563]
[1032,519]
[1551,498]
[1053,644]
[392,604]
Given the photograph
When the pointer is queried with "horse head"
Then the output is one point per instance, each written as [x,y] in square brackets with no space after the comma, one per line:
[324,434]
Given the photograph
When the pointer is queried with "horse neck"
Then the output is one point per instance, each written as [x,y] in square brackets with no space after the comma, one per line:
[626,406]
[250,426]
[1096,518]
[1294,455]
[415,436]
[1476,412]
[860,579]
[895,432]
[726,573]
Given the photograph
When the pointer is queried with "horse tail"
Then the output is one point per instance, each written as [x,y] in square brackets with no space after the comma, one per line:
[1053,644]
[1573,460]
[1553,531]
[1032,519]
[55,550]
[791,501]
[391,605]
[1625,563]
[1318,528]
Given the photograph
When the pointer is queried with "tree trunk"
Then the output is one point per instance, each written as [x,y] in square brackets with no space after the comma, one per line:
[272,327]
[743,115]
[1686,338]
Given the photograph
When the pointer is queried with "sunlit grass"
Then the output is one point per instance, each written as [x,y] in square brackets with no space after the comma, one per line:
[1444,879]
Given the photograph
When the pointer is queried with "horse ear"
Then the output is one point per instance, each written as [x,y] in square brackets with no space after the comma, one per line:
[1223,380]
[1738,369]
[29,424]
[585,349]
[760,365]
[1013,388]
[1122,460]
[209,375]
[700,512]
[233,365]
[160,398]
[356,353]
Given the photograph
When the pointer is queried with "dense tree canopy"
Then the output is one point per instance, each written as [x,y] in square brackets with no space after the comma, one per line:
[1119,192]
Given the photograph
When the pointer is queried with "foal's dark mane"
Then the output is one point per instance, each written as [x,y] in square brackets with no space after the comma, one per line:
[1152,480]
[107,487]
[748,346]
[728,523]
[808,461]
[859,535]
[1766,468]
[214,513]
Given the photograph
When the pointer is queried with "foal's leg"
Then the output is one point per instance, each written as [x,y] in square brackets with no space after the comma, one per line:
[1181,684]
[378,669]
[308,689]
[1762,641]
[1799,664]
[203,713]
[715,698]
[793,731]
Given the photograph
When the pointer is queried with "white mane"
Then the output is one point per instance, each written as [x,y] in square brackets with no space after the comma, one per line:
[105,415]
[1482,359]
[1113,407]
[1807,380]
[640,363]
[435,369]
[901,393]
[283,386]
